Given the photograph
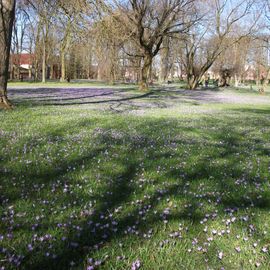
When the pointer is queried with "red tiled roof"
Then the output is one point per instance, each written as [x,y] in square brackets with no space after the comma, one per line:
[22,59]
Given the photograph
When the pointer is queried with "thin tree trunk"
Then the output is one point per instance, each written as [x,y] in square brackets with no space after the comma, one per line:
[36,71]
[7,15]
[75,73]
[236,80]
[164,72]
[113,65]
[44,71]
[258,77]
[11,68]
[63,67]
[99,73]
[30,73]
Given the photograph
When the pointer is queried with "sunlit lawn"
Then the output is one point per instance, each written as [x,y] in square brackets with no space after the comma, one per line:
[71,84]
[158,182]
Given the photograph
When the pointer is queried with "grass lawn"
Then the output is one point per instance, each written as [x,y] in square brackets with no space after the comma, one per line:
[71,84]
[117,179]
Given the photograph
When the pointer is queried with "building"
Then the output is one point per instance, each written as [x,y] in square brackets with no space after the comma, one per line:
[21,66]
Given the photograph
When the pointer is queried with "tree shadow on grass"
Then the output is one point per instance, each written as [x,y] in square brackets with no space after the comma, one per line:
[113,100]
[84,96]
[254,111]
[157,145]
[75,96]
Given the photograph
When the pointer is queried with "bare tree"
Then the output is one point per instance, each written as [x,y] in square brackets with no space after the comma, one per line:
[148,22]
[69,20]
[107,48]
[263,52]
[19,39]
[234,62]
[45,10]
[7,14]
[221,27]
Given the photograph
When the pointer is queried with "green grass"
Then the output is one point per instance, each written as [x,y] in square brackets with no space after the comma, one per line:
[73,83]
[171,186]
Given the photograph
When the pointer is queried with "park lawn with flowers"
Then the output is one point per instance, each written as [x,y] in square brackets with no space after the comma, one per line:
[117,179]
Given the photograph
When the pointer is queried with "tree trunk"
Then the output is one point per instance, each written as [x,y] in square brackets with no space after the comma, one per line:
[7,14]
[193,81]
[145,72]
[258,77]
[63,67]
[264,82]
[11,68]
[99,72]
[36,71]
[164,71]
[112,65]
[75,71]
[11,76]
[44,71]
[224,82]
[63,52]
[236,81]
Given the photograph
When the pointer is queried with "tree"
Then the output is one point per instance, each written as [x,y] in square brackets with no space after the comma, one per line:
[234,62]
[107,48]
[7,14]
[148,22]
[69,21]
[223,24]
[20,26]
[45,12]
[263,50]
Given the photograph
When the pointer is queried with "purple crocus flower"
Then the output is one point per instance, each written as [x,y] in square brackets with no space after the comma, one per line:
[136,265]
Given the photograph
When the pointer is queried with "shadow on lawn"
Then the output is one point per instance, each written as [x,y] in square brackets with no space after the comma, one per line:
[76,96]
[154,147]
[84,96]
[111,100]
[254,111]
